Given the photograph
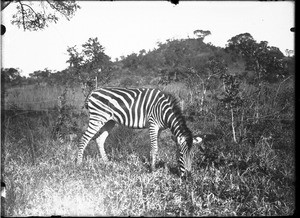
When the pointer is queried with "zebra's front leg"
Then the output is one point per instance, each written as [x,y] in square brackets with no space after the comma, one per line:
[154,130]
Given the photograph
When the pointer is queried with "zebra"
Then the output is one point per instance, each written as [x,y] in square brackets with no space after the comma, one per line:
[137,108]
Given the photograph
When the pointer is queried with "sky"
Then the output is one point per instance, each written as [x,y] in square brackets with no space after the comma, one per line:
[125,27]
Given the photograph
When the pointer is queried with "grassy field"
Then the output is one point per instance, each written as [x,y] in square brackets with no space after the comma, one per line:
[230,179]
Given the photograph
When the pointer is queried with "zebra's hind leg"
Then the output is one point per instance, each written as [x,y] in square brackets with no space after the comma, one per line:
[105,130]
[93,128]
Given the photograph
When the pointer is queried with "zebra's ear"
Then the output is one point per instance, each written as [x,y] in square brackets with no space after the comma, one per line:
[197,140]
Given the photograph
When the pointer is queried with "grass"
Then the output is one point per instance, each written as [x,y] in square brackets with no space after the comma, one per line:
[41,98]
[229,179]
[125,188]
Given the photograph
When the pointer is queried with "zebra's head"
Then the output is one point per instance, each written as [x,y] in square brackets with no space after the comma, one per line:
[185,144]
[186,152]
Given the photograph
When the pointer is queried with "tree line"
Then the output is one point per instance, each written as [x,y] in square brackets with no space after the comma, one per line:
[246,87]
[174,60]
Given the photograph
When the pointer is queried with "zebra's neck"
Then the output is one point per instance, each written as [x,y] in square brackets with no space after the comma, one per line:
[179,128]
[175,121]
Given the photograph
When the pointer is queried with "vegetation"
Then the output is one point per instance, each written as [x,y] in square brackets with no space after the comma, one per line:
[36,15]
[242,95]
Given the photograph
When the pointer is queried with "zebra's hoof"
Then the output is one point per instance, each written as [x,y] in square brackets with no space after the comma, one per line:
[77,161]
[186,176]
[152,169]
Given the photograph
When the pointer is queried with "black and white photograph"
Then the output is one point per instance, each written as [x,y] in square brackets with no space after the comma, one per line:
[147,108]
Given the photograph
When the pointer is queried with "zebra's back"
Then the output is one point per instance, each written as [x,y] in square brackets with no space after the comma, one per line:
[127,106]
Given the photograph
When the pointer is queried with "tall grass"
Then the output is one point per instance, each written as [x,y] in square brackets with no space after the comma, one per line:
[34,97]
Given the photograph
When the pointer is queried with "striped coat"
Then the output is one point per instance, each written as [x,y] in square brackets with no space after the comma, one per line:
[137,108]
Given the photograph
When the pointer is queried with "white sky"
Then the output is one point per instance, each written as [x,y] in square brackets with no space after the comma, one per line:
[126,27]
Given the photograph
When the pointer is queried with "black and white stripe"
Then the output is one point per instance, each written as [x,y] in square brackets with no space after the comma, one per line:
[137,108]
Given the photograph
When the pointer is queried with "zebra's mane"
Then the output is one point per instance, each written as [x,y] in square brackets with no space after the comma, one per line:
[178,113]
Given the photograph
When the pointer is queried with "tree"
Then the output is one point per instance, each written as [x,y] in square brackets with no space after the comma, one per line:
[267,62]
[131,61]
[75,59]
[175,53]
[231,98]
[201,34]
[35,15]
[93,52]
[269,66]
[89,65]
[9,74]
[40,76]
[11,77]
[96,63]
[289,53]
[200,82]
